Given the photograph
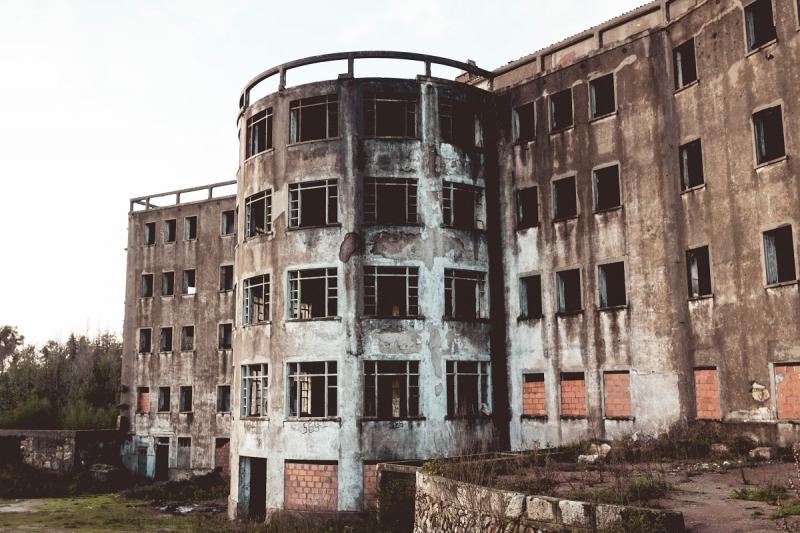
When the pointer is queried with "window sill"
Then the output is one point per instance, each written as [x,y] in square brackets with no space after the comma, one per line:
[565,219]
[227,235]
[523,228]
[461,146]
[166,351]
[254,324]
[148,245]
[164,413]
[573,417]
[190,240]
[390,138]
[185,412]
[315,319]
[524,143]
[529,318]
[223,350]
[169,242]
[189,295]
[620,418]
[608,210]
[375,317]
[538,418]
[603,117]
[259,236]
[771,162]
[187,352]
[254,418]
[466,320]
[300,144]
[393,225]
[169,296]
[570,314]
[226,291]
[145,353]
[392,419]
[462,228]
[687,86]
[701,297]
[468,417]
[762,47]
[146,298]
[612,308]
[323,226]
[693,189]
[562,130]
[781,284]
[224,413]
[268,151]
[313,419]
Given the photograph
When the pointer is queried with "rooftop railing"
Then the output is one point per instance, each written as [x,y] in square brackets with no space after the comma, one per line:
[223,189]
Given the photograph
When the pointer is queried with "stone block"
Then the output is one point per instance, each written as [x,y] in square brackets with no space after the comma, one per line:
[542,509]
[576,514]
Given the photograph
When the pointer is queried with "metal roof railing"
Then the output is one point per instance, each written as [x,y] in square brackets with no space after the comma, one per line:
[146,202]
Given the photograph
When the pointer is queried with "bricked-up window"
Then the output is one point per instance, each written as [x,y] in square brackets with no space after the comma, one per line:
[164,405]
[390,115]
[468,388]
[573,394]
[165,340]
[779,255]
[391,291]
[259,132]
[143,400]
[691,161]
[462,206]
[149,236]
[390,201]
[225,336]
[698,272]
[768,128]
[787,387]
[568,291]
[255,379]
[258,214]
[170,230]
[187,338]
[606,188]
[602,98]
[464,294]
[684,64]
[561,110]
[184,452]
[222,455]
[167,283]
[314,118]
[313,293]
[145,340]
[617,394]
[189,285]
[457,122]
[524,118]
[533,395]
[528,207]
[759,23]
[565,198]
[228,222]
[223,398]
[706,393]
[310,486]
[370,486]
[190,228]
[313,204]
[185,403]
[147,286]
[611,281]
[312,389]
[391,389]
[530,297]
[255,299]
[226,278]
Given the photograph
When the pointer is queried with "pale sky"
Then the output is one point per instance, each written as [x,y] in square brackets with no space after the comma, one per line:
[102,100]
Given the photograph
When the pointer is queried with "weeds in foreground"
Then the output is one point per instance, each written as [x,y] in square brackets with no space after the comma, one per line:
[772,494]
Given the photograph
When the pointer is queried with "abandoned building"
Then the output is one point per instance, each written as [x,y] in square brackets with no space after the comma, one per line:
[593,240]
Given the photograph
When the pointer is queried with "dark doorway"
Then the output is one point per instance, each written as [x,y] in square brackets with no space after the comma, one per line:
[141,463]
[253,488]
[162,459]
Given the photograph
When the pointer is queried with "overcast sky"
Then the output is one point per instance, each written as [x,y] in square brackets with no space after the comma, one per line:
[104,100]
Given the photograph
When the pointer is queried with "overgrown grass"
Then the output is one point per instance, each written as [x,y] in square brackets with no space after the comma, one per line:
[788,509]
[211,486]
[769,494]
[640,490]
[681,443]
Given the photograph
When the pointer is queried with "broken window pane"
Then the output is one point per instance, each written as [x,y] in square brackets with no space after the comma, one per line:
[760,24]
[698,272]
[170,230]
[779,255]
[390,115]
[391,291]
[313,204]
[258,214]
[390,201]
[190,228]
[255,299]
[189,282]
[167,283]
[528,207]
[147,286]
[314,118]
[391,389]
[143,400]
[531,297]
[226,278]
[561,110]
[145,340]
[457,122]
[606,188]
[312,389]
[223,398]
[462,206]
[565,198]
[150,233]
[228,223]
[164,405]
[184,452]
[259,132]
[468,388]
[568,291]
[768,126]
[691,162]
[464,294]
[684,64]
[187,338]
[186,399]
[254,390]
[603,100]
[225,336]
[524,118]
[165,341]
[313,293]
[611,278]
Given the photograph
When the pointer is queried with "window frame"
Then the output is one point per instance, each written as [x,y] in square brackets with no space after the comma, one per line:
[296,403]
[149,343]
[451,275]
[186,288]
[224,223]
[224,287]
[183,338]
[449,189]
[593,115]
[251,229]
[411,371]
[519,219]
[161,332]
[143,285]
[603,283]
[524,301]
[516,123]
[752,47]
[692,252]
[249,306]
[767,283]
[370,116]
[554,199]
[552,111]
[678,62]
[758,133]
[161,398]
[251,124]
[596,187]
[484,381]
[558,292]
[164,276]
[230,403]
[332,117]
[295,207]
[166,231]
[685,166]
[262,382]
[331,277]
[149,234]
[372,275]
[456,113]
[221,327]
[187,228]
[181,399]
[410,188]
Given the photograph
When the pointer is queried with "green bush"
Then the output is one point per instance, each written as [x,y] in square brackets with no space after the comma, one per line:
[33,413]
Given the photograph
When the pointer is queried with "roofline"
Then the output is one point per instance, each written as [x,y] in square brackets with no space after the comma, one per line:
[146,201]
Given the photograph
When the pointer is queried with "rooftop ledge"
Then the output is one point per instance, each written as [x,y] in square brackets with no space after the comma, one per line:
[222,189]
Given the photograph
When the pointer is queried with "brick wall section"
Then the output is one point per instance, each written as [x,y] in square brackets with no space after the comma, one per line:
[370,486]
[573,395]
[222,455]
[143,400]
[787,384]
[533,395]
[310,487]
[706,393]
[617,394]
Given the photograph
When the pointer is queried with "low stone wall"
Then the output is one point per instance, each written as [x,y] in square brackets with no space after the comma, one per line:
[443,505]
[61,451]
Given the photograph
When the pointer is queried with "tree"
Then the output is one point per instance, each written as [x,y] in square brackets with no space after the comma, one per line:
[10,340]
